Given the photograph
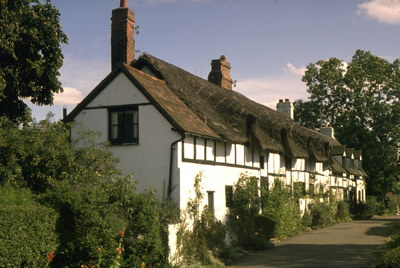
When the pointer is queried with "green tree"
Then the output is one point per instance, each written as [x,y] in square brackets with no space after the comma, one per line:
[30,55]
[361,101]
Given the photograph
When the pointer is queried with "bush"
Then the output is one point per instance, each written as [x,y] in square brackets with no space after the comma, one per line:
[389,259]
[265,226]
[27,235]
[83,185]
[243,212]
[92,214]
[343,213]
[280,208]
[321,215]
[205,238]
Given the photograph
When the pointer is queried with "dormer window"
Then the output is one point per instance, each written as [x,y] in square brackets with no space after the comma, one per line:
[124,125]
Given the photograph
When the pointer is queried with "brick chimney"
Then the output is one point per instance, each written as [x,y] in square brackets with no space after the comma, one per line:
[221,73]
[286,108]
[122,35]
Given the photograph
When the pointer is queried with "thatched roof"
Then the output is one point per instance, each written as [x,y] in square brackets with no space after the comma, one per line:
[194,105]
[237,119]
[338,150]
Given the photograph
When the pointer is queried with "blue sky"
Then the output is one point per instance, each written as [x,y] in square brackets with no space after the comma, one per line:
[268,42]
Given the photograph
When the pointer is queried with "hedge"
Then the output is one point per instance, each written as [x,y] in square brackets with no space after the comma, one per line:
[27,235]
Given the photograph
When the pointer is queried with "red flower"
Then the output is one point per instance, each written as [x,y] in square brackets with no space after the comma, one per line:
[121,233]
[119,250]
[99,249]
[51,256]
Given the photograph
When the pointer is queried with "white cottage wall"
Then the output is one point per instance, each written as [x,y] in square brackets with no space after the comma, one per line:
[215,178]
[148,160]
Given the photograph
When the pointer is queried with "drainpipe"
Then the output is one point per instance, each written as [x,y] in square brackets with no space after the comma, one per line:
[173,145]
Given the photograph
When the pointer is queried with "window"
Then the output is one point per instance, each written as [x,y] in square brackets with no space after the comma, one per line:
[288,163]
[262,162]
[228,195]
[210,195]
[124,125]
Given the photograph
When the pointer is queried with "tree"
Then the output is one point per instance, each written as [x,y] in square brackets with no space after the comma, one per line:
[361,101]
[30,55]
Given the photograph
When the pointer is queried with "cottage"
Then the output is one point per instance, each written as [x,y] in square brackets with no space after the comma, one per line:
[166,125]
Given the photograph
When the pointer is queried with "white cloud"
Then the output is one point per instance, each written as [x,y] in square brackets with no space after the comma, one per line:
[292,69]
[69,96]
[268,91]
[386,11]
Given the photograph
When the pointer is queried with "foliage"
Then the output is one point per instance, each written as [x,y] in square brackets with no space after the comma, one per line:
[279,206]
[200,236]
[361,101]
[145,236]
[244,210]
[322,214]
[27,235]
[390,259]
[37,155]
[92,212]
[390,256]
[375,205]
[83,185]
[30,55]
[343,212]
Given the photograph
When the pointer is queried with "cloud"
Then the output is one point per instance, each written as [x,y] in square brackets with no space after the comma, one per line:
[69,96]
[269,90]
[292,69]
[386,11]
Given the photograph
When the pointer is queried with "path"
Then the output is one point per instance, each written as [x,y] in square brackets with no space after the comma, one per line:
[348,244]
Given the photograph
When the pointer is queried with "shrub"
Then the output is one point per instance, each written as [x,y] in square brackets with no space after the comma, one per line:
[321,214]
[389,259]
[243,212]
[265,226]
[391,203]
[200,236]
[343,213]
[84,186]
[27,235]
[280,208]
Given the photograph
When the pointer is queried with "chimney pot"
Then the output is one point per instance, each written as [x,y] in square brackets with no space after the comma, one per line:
[123,3]
[287,100]
[280,100]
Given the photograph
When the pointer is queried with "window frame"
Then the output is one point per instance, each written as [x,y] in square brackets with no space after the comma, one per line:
[124,109]
[228,196]
[211,201]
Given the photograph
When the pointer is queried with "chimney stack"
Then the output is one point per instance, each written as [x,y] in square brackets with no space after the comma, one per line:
[286,108]
[221,73]
[122,35]
[327,131]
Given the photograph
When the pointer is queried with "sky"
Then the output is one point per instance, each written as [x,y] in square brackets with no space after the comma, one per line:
[268,43]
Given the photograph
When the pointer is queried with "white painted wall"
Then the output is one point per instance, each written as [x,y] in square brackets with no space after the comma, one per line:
[120,91]
[148,161]
[215,178]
